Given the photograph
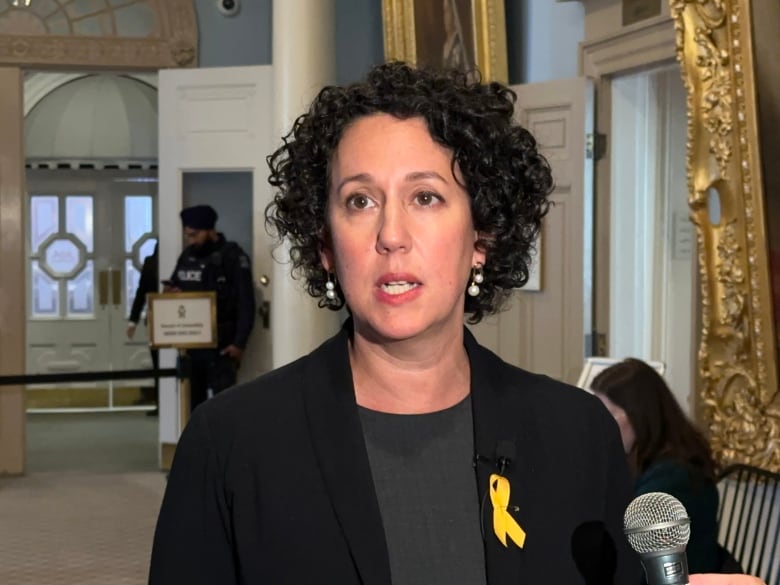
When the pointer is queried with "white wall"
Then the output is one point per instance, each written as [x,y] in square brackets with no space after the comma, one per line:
[551,35]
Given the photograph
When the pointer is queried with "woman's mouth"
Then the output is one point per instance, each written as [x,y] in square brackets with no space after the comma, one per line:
[398,287]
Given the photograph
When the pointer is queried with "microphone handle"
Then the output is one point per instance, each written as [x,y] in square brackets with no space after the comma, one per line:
[670,568]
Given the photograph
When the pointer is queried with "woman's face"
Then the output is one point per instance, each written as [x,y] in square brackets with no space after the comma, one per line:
[626,428]
[401,238]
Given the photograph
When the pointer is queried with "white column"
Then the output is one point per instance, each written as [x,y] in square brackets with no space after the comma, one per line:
[304,62]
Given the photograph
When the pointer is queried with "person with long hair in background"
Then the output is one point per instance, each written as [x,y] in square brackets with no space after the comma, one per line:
[666,452]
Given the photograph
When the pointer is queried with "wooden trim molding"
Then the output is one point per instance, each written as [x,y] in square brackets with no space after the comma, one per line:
[648,42]
[12,300]
[173,42]
[167,451]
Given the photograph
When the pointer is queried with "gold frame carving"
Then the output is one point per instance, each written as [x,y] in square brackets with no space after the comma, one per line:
[740,406]
[176,46]
[489,35]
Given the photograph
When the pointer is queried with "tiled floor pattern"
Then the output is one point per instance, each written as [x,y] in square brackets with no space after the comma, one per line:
[89,518]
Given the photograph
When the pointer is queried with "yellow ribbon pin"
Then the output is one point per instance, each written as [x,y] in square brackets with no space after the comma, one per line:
[503,523]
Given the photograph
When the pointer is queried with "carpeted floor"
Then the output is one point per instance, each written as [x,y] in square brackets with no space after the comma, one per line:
[107,442]
[85,512]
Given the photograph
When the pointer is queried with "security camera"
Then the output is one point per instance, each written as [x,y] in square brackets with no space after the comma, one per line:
[229,7]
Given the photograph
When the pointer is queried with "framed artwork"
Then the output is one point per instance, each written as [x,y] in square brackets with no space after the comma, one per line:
[594,365]
[447,33]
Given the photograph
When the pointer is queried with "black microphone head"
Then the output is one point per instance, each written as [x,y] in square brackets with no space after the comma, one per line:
[658,528]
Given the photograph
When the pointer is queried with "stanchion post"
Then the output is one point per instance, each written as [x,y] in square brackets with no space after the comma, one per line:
[184,367]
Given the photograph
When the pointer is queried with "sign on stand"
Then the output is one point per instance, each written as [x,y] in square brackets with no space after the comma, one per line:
[183,320]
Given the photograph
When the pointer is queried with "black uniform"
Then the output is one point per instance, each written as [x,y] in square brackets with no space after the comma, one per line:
[148,283]
[222,267]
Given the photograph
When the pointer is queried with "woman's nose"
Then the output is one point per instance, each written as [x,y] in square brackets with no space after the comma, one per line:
[393,234]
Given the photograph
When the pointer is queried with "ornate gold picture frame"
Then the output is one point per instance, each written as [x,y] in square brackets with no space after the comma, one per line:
[716,48]
[459,33]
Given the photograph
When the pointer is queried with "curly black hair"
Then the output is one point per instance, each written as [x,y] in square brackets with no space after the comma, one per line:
[506,177]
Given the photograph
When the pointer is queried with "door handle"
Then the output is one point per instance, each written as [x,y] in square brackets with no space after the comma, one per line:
[263,306]
[264,310]
[103,288]
[116,287]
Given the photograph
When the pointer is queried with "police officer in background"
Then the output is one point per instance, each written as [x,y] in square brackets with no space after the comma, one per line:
[211,263]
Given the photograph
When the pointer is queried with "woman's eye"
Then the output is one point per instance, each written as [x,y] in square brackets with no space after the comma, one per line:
[427,198]
[359,202]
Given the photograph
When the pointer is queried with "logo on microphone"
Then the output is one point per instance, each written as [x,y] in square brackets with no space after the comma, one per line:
[673,569]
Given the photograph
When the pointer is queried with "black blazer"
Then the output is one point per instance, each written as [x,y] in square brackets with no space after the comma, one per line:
[271,482]
[147,283]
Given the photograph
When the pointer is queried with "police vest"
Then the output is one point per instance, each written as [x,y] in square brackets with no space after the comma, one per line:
[210,275]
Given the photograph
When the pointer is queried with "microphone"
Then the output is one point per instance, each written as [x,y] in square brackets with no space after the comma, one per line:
[658,528]
[505,453]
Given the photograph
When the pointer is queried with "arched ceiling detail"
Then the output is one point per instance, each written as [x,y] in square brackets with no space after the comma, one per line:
[94,118]
[39,84]
[131,34]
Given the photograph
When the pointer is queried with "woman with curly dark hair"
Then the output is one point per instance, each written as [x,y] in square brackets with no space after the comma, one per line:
[506,180]
[666,452]
[401,451]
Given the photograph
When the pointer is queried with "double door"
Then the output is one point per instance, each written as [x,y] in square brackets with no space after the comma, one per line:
[88,235]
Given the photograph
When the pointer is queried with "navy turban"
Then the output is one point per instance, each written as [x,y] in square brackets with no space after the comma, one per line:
[199,217]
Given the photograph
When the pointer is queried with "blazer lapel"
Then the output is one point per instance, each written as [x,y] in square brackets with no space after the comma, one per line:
[498,431]
[338,442]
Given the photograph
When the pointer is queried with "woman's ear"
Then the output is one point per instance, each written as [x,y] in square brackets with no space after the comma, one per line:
[327,261]
[326,253]
[480,255]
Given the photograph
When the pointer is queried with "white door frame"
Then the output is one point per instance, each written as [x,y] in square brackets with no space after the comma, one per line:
[602,59]
[651,44]
[212,120]
[652,268]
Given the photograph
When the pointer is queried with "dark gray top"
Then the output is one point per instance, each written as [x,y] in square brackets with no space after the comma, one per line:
[427,491]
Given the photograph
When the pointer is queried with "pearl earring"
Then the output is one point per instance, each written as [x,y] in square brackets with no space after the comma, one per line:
[477,278]
[330,288]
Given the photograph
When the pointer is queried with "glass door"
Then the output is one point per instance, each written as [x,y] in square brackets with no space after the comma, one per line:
[134,204]
[89,232]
